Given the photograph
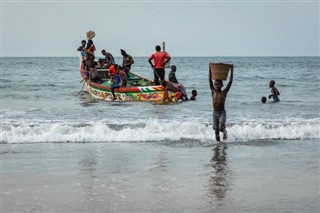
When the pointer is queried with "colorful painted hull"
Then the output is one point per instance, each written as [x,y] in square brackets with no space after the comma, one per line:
[137,89]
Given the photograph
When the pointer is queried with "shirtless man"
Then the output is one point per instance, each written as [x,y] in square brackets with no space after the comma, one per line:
[170,87]
[109,60]
[127,61]
[172,74]
[219,98]
[274,91]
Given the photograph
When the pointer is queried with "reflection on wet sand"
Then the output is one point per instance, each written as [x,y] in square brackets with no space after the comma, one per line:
[88,169]
[218,182]
[159,172]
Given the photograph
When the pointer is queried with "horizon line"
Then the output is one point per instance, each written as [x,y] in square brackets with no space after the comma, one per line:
[171,56]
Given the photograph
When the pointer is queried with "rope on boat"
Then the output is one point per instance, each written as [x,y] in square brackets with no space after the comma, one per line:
[82,86]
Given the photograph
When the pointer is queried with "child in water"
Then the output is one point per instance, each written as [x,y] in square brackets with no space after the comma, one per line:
[274,91]
[219,98]
[194,94]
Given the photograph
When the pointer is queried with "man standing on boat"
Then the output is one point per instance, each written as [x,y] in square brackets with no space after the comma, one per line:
[127,61]
[83,52]
[108,58]
[159,61]
[90,48]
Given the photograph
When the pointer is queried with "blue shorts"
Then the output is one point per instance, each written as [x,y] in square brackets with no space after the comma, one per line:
[219,119]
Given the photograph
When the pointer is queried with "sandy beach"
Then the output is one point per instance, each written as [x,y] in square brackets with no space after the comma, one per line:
[260,176]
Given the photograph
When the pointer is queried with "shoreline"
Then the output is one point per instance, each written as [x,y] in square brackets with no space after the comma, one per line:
[261,176]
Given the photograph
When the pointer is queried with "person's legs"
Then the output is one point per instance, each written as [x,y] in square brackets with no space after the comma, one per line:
[113,95]
[156,77]
[215,125]
[112,91]
[161,73]
[222,122]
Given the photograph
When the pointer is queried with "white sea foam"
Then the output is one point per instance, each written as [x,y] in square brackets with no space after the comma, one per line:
[155,130]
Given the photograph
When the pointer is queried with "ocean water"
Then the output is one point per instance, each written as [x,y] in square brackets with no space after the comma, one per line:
[41,102]
[63,151]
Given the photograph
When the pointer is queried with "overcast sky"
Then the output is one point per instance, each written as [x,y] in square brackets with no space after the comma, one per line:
[189,28]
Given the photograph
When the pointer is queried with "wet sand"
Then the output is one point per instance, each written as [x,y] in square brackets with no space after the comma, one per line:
[259,176]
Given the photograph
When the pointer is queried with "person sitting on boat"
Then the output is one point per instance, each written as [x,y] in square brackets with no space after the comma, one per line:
[109,59]
[159,61]
[116,80]
[170,87]
[173,79]
[172,74]
[127,61]
[94,77]
[101,63]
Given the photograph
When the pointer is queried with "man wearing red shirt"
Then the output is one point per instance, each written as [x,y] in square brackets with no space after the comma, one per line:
[159,61]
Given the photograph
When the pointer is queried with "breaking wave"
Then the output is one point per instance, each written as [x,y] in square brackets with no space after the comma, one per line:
[154,130]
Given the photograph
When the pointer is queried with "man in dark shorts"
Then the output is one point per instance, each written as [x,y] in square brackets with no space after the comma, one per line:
[219,98]
[159,61]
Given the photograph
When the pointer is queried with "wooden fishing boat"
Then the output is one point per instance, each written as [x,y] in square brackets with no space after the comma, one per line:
[138,88]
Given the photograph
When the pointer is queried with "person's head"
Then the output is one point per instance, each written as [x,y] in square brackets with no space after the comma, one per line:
[263,100]
[83,42]
[123,52]
[103,52]
[272,83]
[101,61]
[218,84]
[119,68]
[163,83]
[158,48]
[194,92]
[173,68]
[113,69]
